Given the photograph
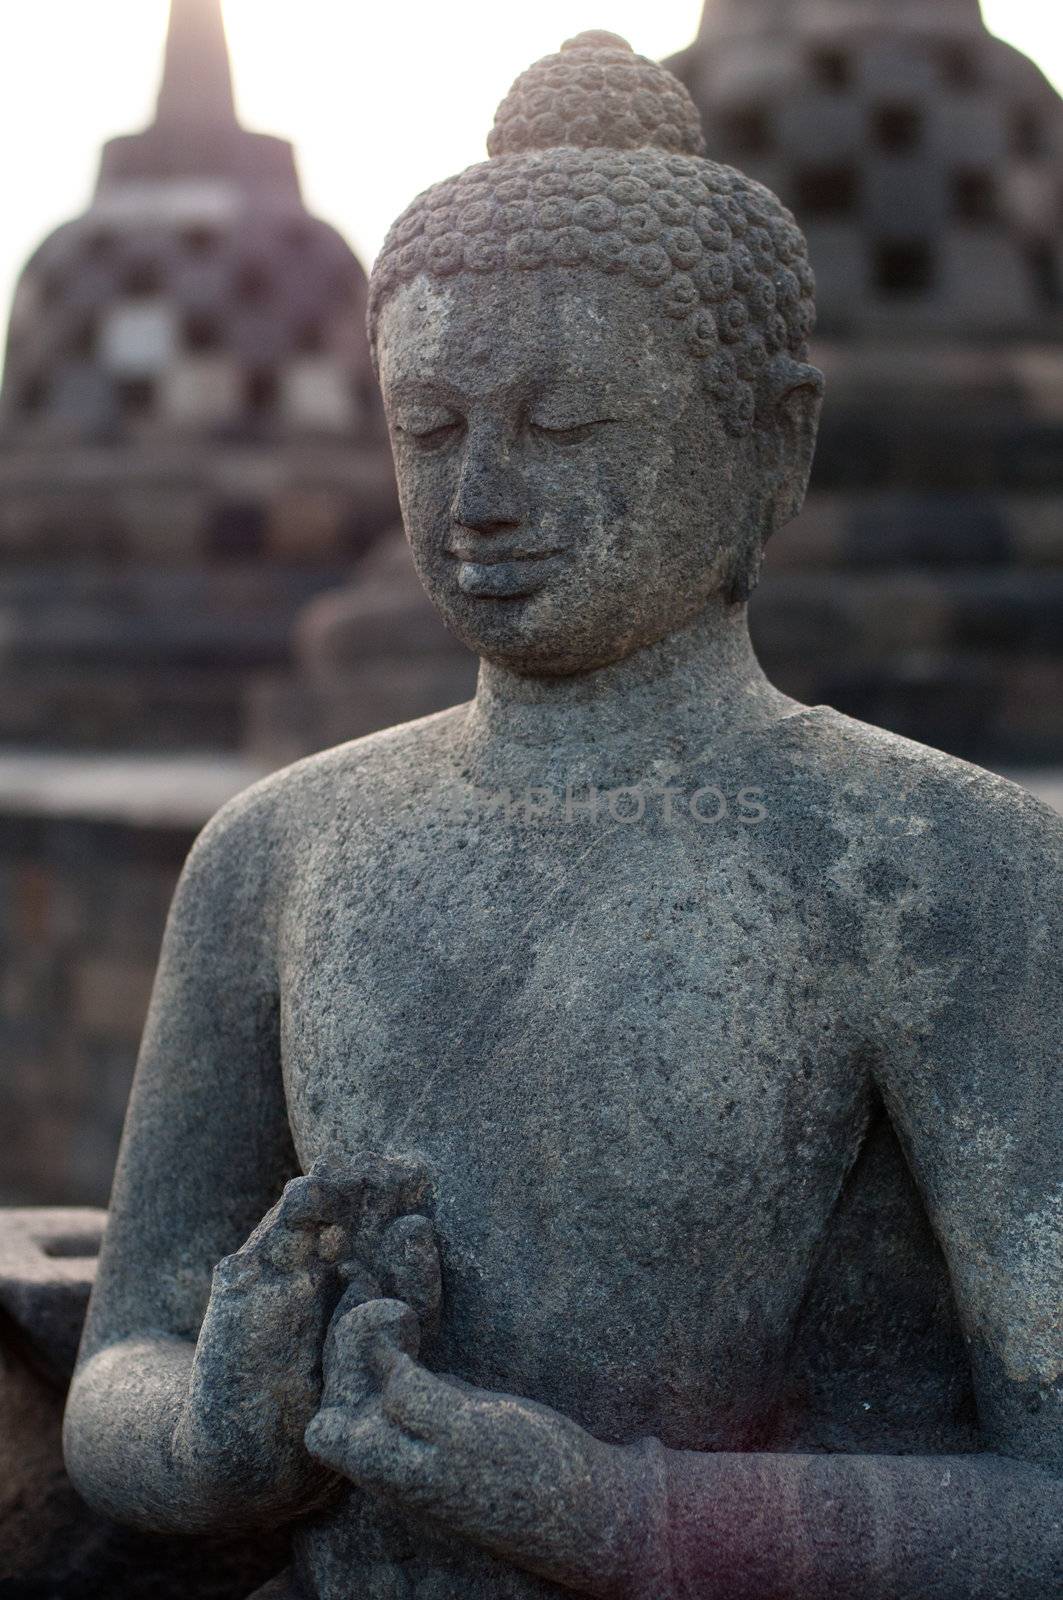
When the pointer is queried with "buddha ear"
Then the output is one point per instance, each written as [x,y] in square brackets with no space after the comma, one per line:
[788,434]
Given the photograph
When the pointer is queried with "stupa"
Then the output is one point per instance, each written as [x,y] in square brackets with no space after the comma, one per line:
[923,586]
[191,450]
[190,439]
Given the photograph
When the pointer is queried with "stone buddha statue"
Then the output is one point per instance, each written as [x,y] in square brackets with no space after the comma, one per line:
[604,1138]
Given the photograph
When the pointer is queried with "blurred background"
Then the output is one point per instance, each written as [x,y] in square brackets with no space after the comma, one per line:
[202,573]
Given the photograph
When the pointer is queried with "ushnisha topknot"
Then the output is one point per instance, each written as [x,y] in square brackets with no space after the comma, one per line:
[596,162]
[596,93]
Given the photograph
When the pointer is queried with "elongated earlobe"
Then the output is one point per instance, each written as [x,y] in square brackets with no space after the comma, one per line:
[796,423]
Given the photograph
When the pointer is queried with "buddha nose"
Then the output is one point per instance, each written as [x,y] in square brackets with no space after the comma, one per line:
[489,497]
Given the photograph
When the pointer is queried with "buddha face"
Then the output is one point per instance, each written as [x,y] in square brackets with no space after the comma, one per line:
[568,488]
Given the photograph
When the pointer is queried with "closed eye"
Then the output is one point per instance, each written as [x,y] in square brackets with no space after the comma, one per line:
[430,438]
[574,434]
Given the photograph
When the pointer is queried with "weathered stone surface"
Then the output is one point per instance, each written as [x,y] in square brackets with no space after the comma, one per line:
[47,1263]
[52,1546]
[603,1138]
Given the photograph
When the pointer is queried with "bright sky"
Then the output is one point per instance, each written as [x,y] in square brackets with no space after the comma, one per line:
[381,97]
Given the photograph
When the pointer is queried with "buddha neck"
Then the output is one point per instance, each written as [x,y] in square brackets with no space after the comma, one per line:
[702,682]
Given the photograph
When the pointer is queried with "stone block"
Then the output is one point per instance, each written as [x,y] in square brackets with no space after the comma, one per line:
[1037,529]
[901,200]
[52,1546]
[138,339]
[305,524]
[201,390]
[967,130]
[110,997]
[315,393]
[899,530]
[817,538]
[821,126]
[47,1264]
[982,284]
[838,251]
[891,67]
[1038,372]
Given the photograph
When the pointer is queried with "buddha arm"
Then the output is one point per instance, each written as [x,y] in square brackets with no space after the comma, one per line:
[968,1042]
[206,1150]
[972,1076]
[793,1527]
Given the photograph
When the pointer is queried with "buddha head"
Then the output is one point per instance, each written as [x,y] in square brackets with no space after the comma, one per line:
[593,354]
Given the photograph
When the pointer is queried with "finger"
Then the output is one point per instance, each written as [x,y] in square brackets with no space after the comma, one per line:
[421,1404]
[410,1267]
[361,1280]
[372,1454]
[393,1185]
[274,1244]
[310,1203]
[337,1174]
[362,1345]
[307,1227]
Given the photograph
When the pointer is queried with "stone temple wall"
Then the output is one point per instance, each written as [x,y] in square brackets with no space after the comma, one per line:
[90,853]
[52,1547]
[192,448]
[142,592]
[922,586]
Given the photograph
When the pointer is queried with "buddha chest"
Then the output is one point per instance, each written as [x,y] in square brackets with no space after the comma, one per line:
[622,1059]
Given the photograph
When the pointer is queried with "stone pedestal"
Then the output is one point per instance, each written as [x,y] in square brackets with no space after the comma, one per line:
[52,1547]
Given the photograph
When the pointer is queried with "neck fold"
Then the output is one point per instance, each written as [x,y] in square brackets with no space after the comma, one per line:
[703,682]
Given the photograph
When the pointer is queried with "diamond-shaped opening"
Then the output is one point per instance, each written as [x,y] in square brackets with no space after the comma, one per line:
[202,333]
[238,528]
[99,244]
[344,287]
[1028,134]
[903,267]
[32,396]
[136,397]
[200,241]
[262,391]
[826,191]
[959,64]
[310,339]
[747,130]
[897,127]
[83,340]
[253,283]
[298,235]
[831,68]
[1046,271]
[143,281]
[50,288]
[974,195]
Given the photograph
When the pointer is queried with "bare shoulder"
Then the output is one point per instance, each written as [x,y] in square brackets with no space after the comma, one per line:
[931,804]
[955,874]
[359,785]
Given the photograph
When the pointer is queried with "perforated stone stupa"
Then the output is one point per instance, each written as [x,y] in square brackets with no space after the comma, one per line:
[190,439]
[923,586]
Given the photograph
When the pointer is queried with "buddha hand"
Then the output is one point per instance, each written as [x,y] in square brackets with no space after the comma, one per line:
[511,1476]
[257,1375]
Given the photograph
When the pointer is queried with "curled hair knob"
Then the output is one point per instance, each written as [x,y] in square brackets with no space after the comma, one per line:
[596,93]
[597,39]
